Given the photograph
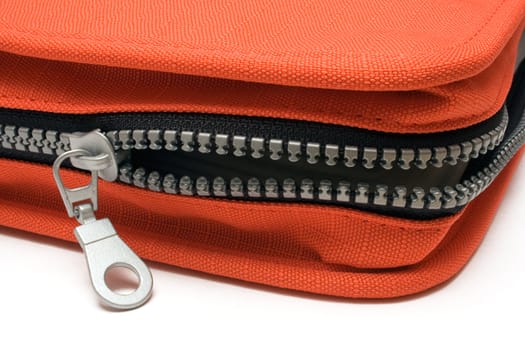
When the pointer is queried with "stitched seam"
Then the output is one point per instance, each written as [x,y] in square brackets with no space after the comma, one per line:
[10,29]
[299,108]
[338,113]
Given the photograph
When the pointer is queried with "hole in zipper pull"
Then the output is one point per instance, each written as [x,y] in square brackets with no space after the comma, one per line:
[122,280]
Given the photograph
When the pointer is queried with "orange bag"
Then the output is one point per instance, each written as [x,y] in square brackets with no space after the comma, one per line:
[350,148]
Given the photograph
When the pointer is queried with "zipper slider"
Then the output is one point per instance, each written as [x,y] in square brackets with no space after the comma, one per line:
[103,248]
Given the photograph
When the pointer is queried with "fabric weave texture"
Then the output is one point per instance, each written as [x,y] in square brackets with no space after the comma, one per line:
[402,66]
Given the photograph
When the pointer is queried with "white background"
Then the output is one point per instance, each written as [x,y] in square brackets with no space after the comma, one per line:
[46,302]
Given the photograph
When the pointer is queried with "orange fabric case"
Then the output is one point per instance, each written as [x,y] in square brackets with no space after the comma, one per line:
[402,66]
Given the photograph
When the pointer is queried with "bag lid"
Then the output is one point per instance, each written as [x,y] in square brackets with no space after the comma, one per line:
[339,44]
[440,58]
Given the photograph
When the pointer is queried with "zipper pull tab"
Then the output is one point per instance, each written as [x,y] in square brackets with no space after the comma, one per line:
[103,248]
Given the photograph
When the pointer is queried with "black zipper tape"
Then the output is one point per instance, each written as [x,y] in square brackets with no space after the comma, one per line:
[269,128]
[196,164]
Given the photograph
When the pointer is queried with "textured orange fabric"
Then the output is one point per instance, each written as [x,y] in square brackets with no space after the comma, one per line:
[350,45]
[399,66]
[313,248]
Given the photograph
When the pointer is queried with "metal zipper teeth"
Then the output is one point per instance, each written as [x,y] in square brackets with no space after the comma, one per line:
[54,143]
[33,140]
[314,153]
[344,192]
[360,194]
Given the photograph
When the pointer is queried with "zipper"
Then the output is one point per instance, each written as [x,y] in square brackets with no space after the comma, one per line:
[109,155]
[256,159]
[397,177]
[331,154]
[102,246]
[53,142]
[419,181]
[325,190]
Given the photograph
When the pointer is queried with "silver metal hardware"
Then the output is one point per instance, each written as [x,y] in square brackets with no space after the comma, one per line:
[169,184]
[104,151]
[369,157]
[400,197]
[307,189]
[325,190]
[361,193]
[257,146]
[204,141]
[466,151]
[8,139]
[219,187]
[453,154]
[477,143]
[254,187]
[155,138]
[103,248]
[124,137]
[170,140]
[396,196]
[388,158]
[423,157]
[126,173]
[449,197]
[96,144]
[312,152]
[294,151]
[221,141]
[139,177]
[434,201]
[463,195]
[186,139]
[407,157]
[343,191]
[139,139]
[438,157]
[417,198]
[22,139]
[485,143]
[80,194]
[494,136]
[154,181]
[380,196]
[276,149]
[331,153]
[52,142]
[289,188]
[35,141]
[350,156]
[239,146]
[186,186]
[236,187]
[271,188]
[202,186]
